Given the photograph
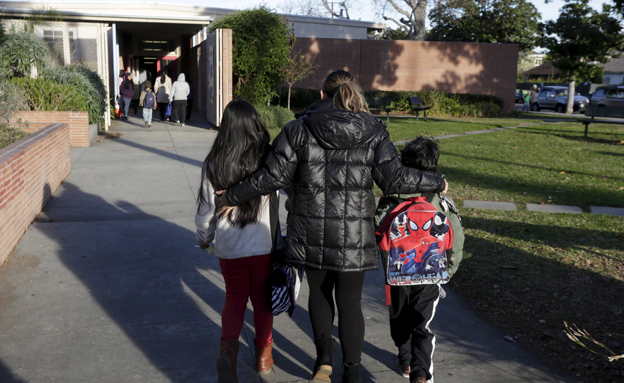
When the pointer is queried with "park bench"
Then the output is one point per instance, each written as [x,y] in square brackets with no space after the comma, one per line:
[380,104]
[602,111]
[417,106]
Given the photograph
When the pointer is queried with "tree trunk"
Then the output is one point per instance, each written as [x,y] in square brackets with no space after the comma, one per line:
[289,86]
[570,106]
[420,15]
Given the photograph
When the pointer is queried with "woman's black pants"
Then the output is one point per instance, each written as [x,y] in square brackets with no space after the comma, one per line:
[348,292]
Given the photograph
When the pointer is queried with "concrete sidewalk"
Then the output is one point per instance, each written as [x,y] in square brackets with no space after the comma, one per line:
[109,286]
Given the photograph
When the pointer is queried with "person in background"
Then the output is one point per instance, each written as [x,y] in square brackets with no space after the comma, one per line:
[533,93]
[178,97]
[242,241]
[127,92]
[527,102]
[148,102]
[330,158]
[162,89]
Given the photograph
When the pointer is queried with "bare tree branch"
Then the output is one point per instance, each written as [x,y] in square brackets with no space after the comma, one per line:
[396,22]
[398,9]
[329,9]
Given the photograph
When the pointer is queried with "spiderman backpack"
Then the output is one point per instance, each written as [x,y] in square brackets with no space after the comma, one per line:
[414,239]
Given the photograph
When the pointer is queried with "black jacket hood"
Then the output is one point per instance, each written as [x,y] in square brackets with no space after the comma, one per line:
[336,128]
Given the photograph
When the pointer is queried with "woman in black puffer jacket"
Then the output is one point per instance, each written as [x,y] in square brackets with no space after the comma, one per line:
[330,157]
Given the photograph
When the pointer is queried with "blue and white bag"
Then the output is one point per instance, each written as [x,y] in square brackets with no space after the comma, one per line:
[284,282]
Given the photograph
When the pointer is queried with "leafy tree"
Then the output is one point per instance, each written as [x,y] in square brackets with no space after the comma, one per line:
[413,12]
[298,68]
[394,34]
[485,21]
[22,52]
[261,45]
[579,38]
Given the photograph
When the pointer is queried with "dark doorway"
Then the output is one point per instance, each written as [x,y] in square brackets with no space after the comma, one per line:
[147,69]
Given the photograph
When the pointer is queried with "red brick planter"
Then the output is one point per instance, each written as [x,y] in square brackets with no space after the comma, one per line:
[30,172]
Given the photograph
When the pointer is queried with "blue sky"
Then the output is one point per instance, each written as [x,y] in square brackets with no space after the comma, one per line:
[360,9]
[364,10]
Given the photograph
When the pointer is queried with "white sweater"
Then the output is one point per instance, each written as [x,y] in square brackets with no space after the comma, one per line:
[229,241]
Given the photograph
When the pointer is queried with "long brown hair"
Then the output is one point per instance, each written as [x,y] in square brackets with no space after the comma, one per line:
[341,87]
[238,151]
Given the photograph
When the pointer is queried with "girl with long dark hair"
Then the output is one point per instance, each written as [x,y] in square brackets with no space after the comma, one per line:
[331,156]
[242,241]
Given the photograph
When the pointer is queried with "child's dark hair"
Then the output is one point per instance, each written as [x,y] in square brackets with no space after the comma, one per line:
[238,151]
[148,84]
[422,154]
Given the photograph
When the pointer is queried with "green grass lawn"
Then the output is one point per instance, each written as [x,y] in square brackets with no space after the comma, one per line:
[529,272]
[550,163]
[406,128]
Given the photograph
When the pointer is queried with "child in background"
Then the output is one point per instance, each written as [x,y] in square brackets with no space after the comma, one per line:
[527,101]
[242,241]
[412,307]
[148,102]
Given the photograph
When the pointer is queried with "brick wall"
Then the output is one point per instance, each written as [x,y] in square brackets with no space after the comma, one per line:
[30,172]
[416,65]
[78,122]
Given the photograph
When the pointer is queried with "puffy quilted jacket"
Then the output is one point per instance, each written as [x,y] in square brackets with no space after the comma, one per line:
[330,158]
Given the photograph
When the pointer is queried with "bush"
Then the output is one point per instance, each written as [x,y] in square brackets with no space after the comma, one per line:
[87,83]
[20,52]
[442,104]
[10,135]
[274,116]
[446,104]
[12,99]
[48,95]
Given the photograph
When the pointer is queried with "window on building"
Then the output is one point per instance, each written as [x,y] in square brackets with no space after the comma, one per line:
[54,39]
[538,61]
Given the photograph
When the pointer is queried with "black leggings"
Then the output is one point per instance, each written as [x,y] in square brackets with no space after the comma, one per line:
[348,287]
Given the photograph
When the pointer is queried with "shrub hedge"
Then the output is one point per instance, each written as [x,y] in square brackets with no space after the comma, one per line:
[274,116]
[87,83]
[10,135]
[442,104]
[48,95]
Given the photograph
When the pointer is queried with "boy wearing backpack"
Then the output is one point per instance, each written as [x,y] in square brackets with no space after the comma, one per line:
[412,306]
[148,102]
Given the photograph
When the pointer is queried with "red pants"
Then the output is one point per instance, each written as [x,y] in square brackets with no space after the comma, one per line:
[245,278]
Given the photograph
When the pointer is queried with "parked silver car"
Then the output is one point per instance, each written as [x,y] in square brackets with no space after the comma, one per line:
[612,96]
[556,97]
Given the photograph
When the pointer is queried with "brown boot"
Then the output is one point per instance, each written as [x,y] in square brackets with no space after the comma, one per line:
[226,362]
[264,359]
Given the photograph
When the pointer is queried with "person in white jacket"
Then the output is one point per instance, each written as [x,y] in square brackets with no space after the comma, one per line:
[162,88]
[243,240]
[179,93]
